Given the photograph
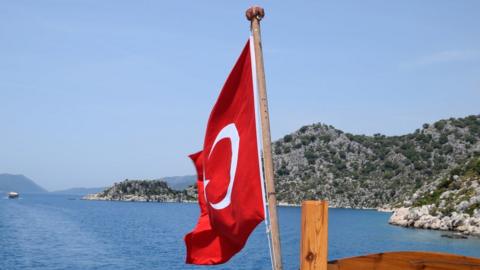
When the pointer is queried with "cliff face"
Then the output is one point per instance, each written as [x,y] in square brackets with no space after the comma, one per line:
[143,191]
[451,202]
[321,162]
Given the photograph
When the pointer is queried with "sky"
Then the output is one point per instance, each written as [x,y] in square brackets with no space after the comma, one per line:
[94,92]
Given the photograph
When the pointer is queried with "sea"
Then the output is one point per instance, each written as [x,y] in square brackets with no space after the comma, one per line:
[64,232]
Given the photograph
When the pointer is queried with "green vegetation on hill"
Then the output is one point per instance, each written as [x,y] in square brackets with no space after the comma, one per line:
[461,185]
[321,162]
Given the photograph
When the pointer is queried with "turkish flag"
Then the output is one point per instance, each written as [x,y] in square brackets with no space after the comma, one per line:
[230,186]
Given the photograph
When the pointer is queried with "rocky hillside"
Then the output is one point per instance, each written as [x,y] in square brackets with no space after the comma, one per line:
[321,162]
[358,171]
[451,202]
[143,191]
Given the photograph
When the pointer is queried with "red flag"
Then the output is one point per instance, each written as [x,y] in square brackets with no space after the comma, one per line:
[230,187]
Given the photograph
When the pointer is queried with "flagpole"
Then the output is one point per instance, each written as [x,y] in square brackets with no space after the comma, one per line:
[254,15]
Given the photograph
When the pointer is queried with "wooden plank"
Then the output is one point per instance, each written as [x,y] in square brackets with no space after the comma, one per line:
[314,235]
[407,260]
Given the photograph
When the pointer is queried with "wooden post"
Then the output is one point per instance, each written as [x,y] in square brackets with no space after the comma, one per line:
[254,15]
[314,238]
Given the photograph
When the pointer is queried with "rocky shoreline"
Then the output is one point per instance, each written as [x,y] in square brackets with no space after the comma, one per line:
[451,203]
[420,218]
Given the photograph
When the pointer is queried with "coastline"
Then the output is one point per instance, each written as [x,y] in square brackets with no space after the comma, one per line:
[134,198]
[413,217]
[421,218]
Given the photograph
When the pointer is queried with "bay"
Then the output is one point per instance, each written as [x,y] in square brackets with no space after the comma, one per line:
[64,232]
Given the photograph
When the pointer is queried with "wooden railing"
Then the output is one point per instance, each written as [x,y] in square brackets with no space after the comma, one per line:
[314,245]
[407,260]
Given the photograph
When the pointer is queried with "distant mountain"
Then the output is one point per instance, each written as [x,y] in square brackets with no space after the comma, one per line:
[79,191]
[180,182]
[18,183]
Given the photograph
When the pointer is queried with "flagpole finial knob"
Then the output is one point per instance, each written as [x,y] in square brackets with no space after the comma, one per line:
[256,12]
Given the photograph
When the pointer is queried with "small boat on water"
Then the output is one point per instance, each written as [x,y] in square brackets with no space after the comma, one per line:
[13,195]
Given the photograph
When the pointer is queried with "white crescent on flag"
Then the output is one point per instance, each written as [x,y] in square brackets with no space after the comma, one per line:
[228,132]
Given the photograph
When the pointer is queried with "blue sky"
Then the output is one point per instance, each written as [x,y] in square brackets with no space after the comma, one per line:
[94,92]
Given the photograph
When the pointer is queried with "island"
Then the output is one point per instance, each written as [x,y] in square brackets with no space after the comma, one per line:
[144,191]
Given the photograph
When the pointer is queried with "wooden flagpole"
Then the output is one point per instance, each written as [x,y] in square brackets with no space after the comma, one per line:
[254,15]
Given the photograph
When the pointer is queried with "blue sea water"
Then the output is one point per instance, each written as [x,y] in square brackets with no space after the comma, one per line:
[62,232]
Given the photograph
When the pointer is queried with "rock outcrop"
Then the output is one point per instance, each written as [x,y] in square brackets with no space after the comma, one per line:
[423,218]
[450,203]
